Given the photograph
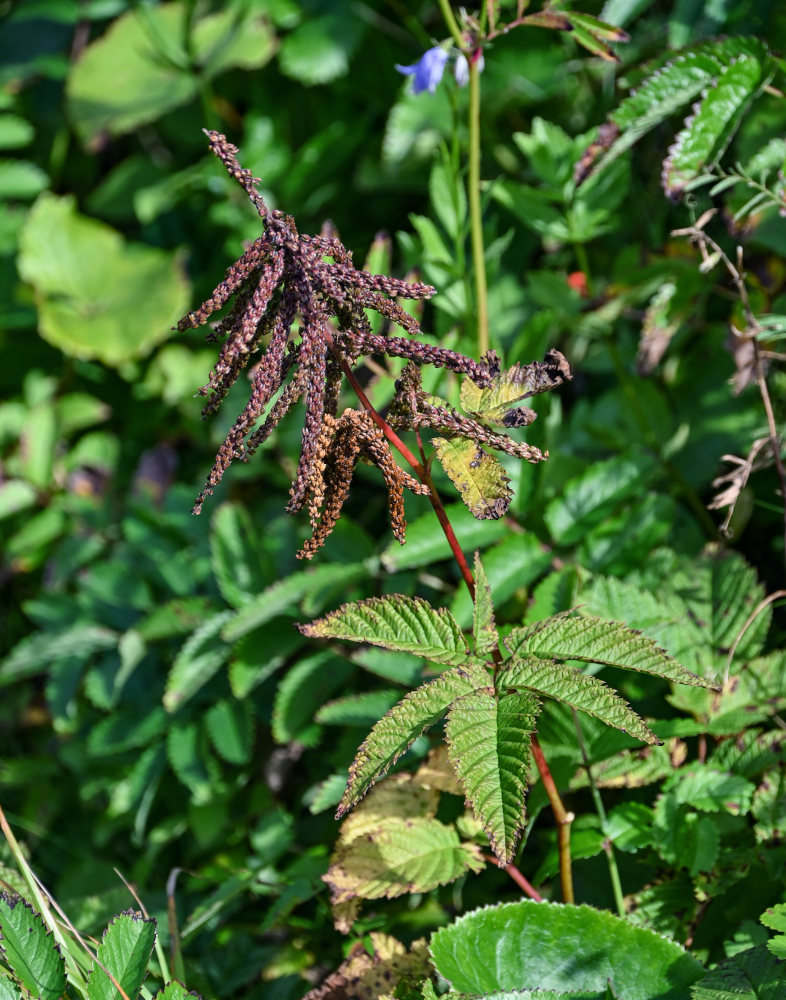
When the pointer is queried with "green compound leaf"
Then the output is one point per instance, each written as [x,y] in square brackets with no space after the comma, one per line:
[751,975]
[97,296]
[37,652]
[528,945]
[597,640]
[403,856]
[708,131]
[477,475]
[407,624]
[358,709]
[305,687]
[396,731]
[573,687]
[30,950]
[484,631]
[488,745]
[124,951]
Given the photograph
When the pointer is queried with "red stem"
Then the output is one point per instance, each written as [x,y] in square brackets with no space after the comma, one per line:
[517,877]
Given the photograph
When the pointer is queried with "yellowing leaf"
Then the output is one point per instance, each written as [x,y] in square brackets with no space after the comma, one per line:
[478,477]
[403,855]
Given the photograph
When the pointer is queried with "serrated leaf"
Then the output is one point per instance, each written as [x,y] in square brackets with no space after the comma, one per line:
[189,757]
[400,795]
[230,725]
[240,565]
[397,622]
[36,652]
[596,640]
[484,631]
[708,131]
[477,475]
[198,660]
[287,593]
[571,686]
[124,951]
[403,856]
[710,790]
[683,837]
[395,732]
[629,826]
[510,565]
[358,709]
[175,991]
[488,744]
[306,686]
[30,950]
[528,945]
[751,975]
[775,918]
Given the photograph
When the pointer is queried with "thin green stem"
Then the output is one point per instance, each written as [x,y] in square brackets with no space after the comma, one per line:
[608,847]
[475,215]
[452,23]
[583,261]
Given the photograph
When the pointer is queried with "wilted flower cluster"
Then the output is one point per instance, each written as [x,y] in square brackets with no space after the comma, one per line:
[299,314]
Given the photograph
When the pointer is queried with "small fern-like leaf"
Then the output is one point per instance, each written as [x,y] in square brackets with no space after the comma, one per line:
[573,687]
[488,744]
[708,131]
[597,640]
[477,475]
[29,949]
[407,624]
[484,631]
[403,856]
[400,727]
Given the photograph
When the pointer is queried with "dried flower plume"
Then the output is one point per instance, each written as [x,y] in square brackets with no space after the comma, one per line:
[298,321]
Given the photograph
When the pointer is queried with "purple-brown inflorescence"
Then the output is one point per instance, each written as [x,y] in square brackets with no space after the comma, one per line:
[282,279]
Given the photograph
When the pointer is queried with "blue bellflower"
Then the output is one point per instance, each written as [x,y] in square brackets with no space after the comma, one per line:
[427,71]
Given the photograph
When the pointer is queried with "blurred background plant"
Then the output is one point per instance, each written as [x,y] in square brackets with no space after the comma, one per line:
[159,714]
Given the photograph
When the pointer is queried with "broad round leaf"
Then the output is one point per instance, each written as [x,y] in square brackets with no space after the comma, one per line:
[97,296]
[527,945]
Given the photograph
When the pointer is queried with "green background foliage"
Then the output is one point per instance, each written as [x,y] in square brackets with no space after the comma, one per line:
[159,711]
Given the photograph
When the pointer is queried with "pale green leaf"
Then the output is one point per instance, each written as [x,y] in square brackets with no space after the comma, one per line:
[97,296]
[528,945]
[775,918]
[29,949]
[703,787]
[240,565]
[477,475]
[15,131]
[402,856]
[488,744]
[124,951]
[571,686]
[400,727]
[198,660]
[21,180]
[709,129]
[595,640]
[396,622]
[484,631]
[16,495]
